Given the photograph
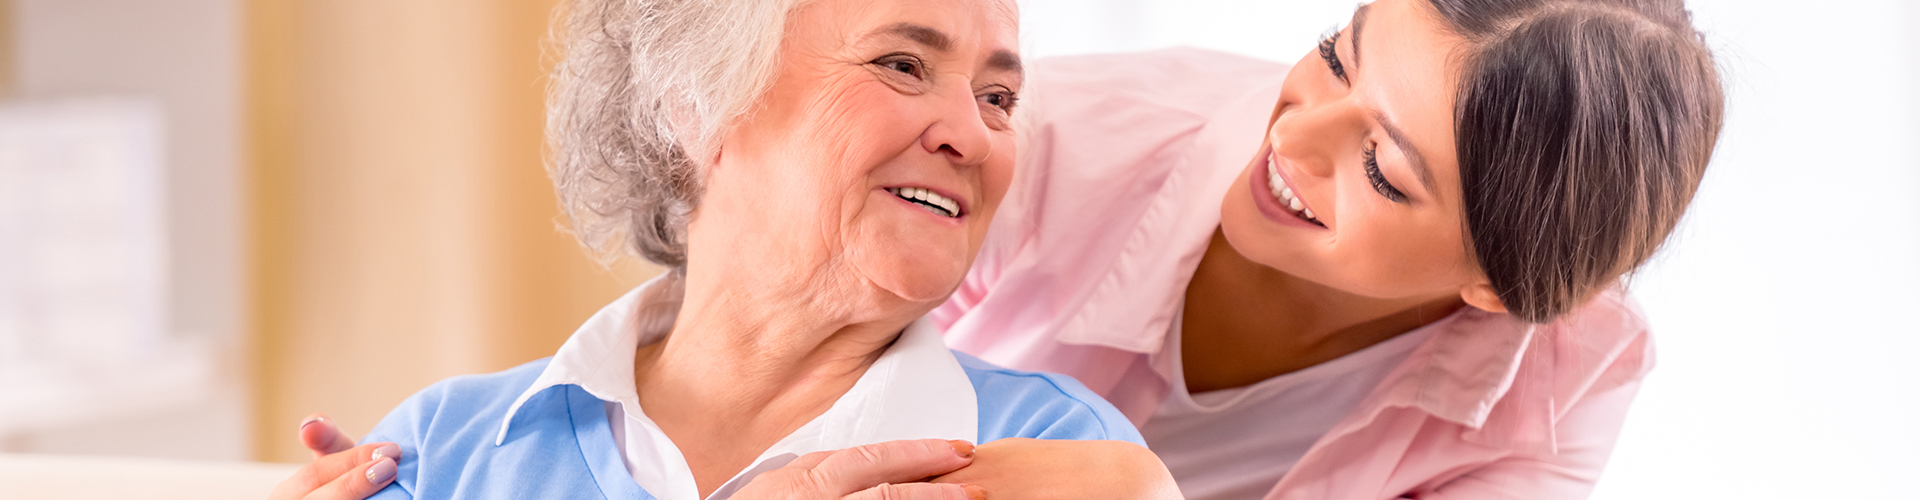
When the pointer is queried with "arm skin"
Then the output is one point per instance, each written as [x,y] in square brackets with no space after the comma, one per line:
[1036,469]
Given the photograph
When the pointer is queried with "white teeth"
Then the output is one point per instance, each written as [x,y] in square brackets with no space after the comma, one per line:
[1284,192]
[933,202]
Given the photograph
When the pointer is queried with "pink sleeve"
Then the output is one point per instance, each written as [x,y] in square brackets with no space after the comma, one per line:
[1586,435]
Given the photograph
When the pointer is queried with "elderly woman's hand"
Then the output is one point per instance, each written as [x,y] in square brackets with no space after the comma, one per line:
[1023,469]
[340,470]
[872,472]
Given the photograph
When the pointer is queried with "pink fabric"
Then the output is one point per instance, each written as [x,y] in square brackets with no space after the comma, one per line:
[1127,159]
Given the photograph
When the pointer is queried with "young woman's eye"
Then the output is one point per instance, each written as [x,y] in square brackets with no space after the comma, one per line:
[1327,43]
[1378,181]
[904,64]
[999,97]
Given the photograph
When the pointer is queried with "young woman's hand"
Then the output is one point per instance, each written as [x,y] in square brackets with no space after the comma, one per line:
[883,471]
[340,470]
[1023,469]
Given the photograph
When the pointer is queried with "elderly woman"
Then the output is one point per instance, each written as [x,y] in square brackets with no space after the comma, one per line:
[817,176]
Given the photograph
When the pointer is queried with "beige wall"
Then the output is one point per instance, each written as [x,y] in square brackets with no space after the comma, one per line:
[402,228]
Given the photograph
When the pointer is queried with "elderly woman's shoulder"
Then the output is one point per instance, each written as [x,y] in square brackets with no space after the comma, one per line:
[463,398]
[1018,403]
[485,389]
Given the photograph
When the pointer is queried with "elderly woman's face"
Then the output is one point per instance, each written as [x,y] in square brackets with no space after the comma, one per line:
[877,157]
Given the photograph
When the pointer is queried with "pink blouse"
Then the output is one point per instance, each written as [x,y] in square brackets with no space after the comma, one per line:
[1127,158]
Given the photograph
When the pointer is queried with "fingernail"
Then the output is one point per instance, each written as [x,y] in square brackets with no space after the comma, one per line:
[389,451]
[974,492]
[311,420]
[381,471]
[965,449]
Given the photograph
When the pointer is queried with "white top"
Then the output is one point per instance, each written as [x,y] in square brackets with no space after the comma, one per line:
[1209,440]
[916,390]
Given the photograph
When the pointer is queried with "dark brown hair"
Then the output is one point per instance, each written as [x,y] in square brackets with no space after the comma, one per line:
[1583,128]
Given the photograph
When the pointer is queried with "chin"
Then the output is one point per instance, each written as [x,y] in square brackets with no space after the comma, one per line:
[924,279]
[914,270]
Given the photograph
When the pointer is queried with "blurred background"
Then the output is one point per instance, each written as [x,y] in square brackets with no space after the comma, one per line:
[218,216]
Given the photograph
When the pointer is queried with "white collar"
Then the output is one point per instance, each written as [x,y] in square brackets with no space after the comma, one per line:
[916,390]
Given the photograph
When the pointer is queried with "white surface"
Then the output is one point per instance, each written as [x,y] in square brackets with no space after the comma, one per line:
[40,477]
[1784,308]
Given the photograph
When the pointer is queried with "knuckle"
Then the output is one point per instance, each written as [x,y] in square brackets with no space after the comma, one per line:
[886,491]
[869,453]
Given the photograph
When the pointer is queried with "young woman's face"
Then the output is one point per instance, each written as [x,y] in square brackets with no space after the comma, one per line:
[1356,185]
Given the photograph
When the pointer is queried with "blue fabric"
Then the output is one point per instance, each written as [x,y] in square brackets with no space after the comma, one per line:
[560,445]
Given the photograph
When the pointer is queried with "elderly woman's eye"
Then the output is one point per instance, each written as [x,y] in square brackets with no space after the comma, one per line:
[1002,98]
[901,63]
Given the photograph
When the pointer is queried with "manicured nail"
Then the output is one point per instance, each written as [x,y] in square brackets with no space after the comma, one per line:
[311,420]
[974,492]
[389,451]
[965,449]
[381,471]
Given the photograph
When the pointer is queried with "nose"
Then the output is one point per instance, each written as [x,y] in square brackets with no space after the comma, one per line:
[958,131]
[1315,134]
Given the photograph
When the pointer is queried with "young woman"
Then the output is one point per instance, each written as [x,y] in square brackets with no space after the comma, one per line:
[1393,273]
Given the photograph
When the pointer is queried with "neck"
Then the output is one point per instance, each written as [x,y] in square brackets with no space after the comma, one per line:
[739,371]
[1245,322]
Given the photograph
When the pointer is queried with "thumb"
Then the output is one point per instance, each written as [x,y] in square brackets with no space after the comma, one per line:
[319,434]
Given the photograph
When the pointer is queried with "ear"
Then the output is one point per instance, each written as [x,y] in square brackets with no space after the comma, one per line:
[1482,296]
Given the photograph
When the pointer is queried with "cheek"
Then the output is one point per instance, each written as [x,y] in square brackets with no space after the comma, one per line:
[853,127]
[1397,251]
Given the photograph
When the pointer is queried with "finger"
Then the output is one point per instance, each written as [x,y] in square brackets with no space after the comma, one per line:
[809,461]
[325,469]
[921,491]
[359,483]
[321,436]
[862,467]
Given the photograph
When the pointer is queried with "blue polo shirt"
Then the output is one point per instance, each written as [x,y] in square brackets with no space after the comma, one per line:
[543,429]
[561,445]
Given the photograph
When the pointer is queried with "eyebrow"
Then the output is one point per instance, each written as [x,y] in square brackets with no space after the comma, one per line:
[1004,60]
[921,34]
[1400,140]
[1359,20]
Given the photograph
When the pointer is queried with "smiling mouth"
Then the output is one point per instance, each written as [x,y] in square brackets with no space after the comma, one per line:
[1284,192]
[933,202]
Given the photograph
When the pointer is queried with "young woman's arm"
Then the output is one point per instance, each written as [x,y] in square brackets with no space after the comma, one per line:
[1586,435]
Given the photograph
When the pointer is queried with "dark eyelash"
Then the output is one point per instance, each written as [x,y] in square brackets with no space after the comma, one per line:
[1327,43]
[1012,98]
[1378,181]
[919,67]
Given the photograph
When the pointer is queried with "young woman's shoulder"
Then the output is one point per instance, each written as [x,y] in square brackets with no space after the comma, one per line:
[1017,403]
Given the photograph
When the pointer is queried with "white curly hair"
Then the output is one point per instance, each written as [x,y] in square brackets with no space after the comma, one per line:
[639,98]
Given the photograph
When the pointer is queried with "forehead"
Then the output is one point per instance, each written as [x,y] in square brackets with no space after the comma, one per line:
[1408,72]
[971,25]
